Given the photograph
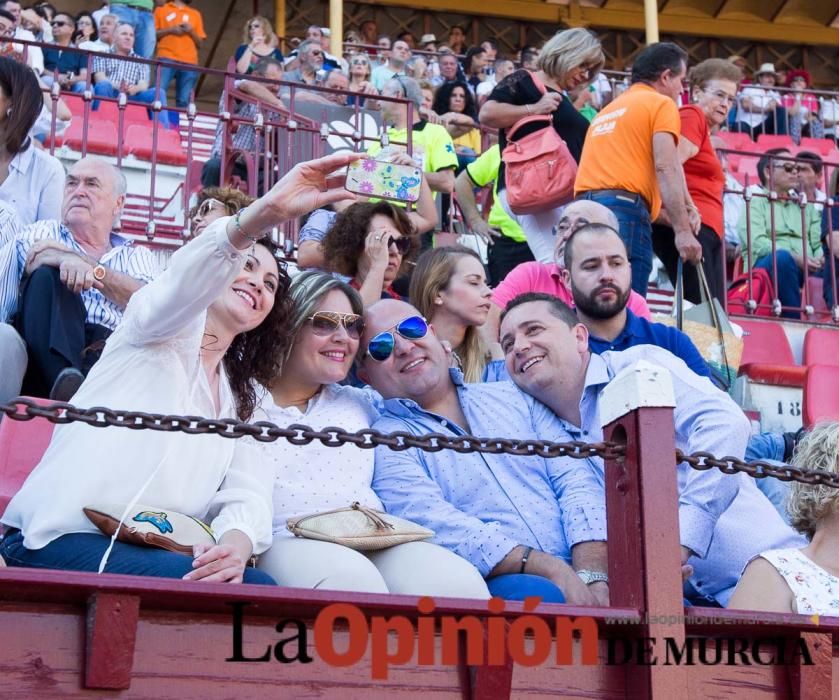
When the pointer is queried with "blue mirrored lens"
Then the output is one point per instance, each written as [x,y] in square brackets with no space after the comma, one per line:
[381,346]
[413,328]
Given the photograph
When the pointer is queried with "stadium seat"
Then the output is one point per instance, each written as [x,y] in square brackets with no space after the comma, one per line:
[767,355]
[22,444]
[821,394]
[767,141]
[101,137]
[735,140]
[140,140]
[821,146]
[820,348]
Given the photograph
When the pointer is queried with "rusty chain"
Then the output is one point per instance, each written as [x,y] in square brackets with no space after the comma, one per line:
[23,409]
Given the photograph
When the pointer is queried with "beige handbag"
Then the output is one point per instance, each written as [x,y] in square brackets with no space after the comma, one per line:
[358,527]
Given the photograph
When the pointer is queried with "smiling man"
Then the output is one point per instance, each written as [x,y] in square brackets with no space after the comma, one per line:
[527,526]
[547,354]
[77,278]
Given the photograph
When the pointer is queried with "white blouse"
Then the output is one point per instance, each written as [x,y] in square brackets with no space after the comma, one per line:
[816,591]
[34,186]
[314,478]
[152,363]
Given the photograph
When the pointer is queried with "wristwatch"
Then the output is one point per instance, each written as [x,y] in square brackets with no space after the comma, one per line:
[589,577]
[99,272]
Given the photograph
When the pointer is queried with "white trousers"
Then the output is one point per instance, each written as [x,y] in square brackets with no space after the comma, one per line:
[537,228]
[414,568]
[13,361]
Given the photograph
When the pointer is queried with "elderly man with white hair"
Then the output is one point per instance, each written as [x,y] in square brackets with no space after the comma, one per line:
[64,284]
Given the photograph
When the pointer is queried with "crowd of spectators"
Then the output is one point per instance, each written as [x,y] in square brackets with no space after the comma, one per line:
[383,330]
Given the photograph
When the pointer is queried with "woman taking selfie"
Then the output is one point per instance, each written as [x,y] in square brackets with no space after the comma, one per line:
[192,342]
[449,289]
[326,325]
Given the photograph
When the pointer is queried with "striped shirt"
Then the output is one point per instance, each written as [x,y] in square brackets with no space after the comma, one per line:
[118,68]
[135,261]
[245,137]
[9,223]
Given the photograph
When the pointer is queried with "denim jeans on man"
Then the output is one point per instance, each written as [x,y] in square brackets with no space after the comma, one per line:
[82,551]
[145,35]
[788,284]
[635,230]
[185,80]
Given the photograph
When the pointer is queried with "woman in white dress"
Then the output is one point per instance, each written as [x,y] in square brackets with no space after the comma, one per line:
[326,326]
[192,342]
[803,580]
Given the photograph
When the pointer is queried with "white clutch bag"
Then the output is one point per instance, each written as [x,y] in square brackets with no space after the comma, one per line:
[358,527]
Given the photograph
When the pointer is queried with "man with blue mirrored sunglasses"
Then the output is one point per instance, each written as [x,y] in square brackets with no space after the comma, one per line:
[528,524]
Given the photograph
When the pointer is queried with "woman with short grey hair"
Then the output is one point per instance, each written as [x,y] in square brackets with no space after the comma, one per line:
[570,60]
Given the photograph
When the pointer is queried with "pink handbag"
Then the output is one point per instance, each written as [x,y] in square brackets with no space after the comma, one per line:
[540,170]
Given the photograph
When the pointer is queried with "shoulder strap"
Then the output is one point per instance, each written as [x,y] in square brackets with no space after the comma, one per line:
[538,83]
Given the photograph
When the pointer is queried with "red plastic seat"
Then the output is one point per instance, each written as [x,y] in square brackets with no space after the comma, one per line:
[22,444]
[820,346]
[101,137]
[140,140]
[821,394]
[767,141]
[735,140]
[821,146]
[767,355]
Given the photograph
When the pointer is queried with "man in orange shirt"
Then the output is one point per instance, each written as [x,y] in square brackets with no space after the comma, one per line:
[630,161]
[180,31]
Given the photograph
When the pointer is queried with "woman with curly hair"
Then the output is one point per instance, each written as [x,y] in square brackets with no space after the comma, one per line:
[370,242]
[212,204]
[450,290]
[194,341]
[326,326]
[805,580]
[458,112]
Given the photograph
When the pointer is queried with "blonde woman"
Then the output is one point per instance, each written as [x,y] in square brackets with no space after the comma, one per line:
[805,580]
[258,41]
[450,290]
[360,71]
[570,60]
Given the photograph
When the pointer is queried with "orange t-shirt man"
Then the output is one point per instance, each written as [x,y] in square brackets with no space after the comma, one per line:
[178,47]
[618,151]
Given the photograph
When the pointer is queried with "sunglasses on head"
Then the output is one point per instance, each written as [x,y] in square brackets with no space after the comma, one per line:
[327,322]
[208,205]
[382,344]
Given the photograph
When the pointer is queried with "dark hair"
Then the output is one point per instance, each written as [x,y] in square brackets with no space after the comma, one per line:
[343,244]
[654,60]
[814,159]
[568,253]
[765,161]
[492,42]
[7,15]
[471,52]
[443,96]
[256,356]
[77,34]
[25,101]
[401,37]
[556,306]
[262,65]
[528,55]
[45,10]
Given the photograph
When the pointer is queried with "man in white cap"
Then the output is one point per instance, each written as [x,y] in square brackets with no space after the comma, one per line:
[759,111]
[428,42]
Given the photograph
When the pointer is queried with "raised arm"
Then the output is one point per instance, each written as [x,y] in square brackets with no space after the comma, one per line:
[671,182]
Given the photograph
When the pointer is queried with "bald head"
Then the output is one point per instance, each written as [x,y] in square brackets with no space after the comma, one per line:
[416,367]
[577,214]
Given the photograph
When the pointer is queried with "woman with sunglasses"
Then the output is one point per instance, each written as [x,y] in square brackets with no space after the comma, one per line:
[370,242]
[360,71]
[258,41]
[326,326]
[195,341]
[449,288]
[214,203]
[713,89]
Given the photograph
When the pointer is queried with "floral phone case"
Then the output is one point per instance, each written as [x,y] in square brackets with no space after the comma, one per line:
[379,178]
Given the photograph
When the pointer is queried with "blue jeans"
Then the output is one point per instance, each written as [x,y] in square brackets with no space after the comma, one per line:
[145,36]
[106,89]
[635,230]
[770,447]
[184,81]
[521,586]
[83,551]
[788,284]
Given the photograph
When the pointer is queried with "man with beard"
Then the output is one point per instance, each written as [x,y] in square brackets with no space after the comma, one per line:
[596,268]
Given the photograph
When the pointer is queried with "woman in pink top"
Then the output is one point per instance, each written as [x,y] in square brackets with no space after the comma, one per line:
[802,107]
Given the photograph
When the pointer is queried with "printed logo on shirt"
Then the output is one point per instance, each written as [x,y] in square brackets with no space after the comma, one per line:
[606,123]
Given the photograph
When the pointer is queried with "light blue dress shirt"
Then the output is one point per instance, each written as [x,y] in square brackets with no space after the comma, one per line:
[724,520]
[481,506]
[34,186]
